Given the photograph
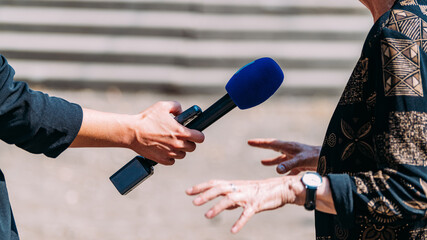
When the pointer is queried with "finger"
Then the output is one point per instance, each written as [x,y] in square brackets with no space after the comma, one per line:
[267,143]
[277,145]
[294,172]
[165,160]
[202,187]
[274,161]
[225,203]
[177,154]
[188,146]
[211,194]
[244,218]
[174,107]
[288,165]
[192,135]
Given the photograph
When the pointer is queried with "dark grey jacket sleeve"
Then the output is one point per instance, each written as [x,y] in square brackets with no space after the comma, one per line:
[33,120]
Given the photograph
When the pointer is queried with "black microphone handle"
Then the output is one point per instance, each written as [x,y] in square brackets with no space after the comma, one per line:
[213,113]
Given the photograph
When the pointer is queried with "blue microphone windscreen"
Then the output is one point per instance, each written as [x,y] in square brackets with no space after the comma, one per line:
[255,83]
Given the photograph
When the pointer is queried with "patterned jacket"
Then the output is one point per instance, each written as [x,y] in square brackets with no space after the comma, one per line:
[375,148]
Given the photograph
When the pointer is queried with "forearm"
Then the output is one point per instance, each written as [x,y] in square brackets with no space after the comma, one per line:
[325,202]
[101,129]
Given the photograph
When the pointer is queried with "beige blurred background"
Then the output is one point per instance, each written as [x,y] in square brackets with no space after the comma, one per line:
[124,55]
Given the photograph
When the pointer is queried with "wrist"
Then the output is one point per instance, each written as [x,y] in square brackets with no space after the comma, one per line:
[127,130]
[324,196]
[133,129]
[324,201]
[298,190]
[322,191]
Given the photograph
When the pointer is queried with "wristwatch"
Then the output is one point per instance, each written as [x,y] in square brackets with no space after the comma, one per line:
[312,181]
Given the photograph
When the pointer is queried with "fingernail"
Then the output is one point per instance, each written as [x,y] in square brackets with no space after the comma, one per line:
[281,168]
[234,230]
[189,190]
[209,214]
[197,200]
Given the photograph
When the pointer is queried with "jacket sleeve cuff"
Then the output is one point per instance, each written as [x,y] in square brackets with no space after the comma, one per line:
[70,120]
[342,194]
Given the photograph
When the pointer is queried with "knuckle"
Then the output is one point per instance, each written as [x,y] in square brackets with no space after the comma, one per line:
[173,104]
[249,211]
[178,144]
[228,198]
[183,132]
[161,104]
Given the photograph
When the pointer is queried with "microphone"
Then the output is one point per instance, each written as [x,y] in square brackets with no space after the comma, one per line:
[250,86]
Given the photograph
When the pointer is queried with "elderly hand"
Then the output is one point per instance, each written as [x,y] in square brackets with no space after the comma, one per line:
[295,158]
[252,196]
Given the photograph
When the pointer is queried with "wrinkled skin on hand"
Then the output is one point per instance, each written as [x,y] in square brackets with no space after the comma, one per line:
[262,195]
[252,196]
[295,157]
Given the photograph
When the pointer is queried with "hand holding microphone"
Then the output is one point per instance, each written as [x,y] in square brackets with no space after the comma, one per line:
[159,137]
[250,86]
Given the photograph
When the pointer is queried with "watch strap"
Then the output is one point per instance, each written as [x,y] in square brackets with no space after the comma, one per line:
[310,199]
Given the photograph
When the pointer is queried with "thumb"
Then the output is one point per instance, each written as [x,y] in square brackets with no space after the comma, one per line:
[174,107]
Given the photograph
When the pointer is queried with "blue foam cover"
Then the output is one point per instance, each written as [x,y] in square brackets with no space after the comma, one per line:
[255,83]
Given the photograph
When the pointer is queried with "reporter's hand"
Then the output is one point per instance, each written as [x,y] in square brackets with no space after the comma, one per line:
[153,133]
[252,196]
[294,158]
[162,139]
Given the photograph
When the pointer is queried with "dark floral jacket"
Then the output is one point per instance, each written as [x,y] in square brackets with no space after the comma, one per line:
[375,148]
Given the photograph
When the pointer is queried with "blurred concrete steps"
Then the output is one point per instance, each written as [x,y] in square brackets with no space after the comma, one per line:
[206,6]
[175,45]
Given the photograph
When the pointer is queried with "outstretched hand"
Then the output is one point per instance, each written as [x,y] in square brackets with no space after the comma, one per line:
[295,157]
[252,196]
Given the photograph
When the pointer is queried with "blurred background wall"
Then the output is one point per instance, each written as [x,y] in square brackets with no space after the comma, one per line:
[179,44]
[123,56]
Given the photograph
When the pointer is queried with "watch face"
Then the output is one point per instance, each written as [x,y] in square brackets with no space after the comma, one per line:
[312,180]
